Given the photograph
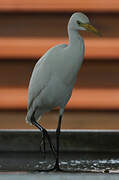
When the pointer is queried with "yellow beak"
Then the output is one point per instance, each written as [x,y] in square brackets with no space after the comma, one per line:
[90,28]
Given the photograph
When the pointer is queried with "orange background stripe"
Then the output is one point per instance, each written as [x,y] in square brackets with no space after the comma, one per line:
[34,47]
[16,98]
[62,5]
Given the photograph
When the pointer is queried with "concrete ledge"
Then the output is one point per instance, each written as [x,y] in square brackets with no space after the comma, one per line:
[70,140]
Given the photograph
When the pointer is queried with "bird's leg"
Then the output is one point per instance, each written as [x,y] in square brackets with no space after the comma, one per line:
[43,141]
[41,129]
[45,134]
[57,143]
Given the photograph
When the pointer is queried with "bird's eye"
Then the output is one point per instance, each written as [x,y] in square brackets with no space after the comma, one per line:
[78,22]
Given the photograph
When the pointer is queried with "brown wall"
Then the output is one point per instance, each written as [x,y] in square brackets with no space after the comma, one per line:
[99,72]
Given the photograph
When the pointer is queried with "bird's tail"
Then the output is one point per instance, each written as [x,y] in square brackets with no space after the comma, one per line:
[28,118]
[29,115]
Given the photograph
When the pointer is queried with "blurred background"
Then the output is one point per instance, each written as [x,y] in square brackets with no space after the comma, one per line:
[28,28]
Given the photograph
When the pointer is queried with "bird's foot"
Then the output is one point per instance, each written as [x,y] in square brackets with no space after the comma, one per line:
[56,167]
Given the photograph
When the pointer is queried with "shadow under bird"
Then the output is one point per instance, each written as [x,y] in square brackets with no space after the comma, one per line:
[54,76]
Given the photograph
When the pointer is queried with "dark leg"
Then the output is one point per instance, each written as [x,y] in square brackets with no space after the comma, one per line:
[45,134]
[57,143]
[44,142]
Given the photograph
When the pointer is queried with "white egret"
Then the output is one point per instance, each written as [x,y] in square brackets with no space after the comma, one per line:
[54,76]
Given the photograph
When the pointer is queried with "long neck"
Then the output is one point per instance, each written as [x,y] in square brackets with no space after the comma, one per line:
[74,37]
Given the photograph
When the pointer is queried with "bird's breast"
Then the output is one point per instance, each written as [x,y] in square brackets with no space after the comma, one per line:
[69,64]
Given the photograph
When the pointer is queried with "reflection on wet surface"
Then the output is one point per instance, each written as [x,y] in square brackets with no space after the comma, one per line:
[69,162]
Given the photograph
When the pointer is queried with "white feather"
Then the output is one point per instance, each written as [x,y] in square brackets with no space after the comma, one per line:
[54,75]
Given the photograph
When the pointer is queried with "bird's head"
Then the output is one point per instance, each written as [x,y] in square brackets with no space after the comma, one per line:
[80,21]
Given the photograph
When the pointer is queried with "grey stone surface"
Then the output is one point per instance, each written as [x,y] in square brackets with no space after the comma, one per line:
[57,176]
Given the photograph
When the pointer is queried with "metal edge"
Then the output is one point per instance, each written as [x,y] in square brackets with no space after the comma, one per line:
[70,140]
[63,130]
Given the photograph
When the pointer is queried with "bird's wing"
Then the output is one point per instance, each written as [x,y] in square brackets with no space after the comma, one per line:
[38,81]
[41,75]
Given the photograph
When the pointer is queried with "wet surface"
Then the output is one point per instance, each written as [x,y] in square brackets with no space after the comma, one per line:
[91,162]
[80,151]
[69,162]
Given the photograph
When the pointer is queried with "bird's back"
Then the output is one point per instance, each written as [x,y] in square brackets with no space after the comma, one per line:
[43,72]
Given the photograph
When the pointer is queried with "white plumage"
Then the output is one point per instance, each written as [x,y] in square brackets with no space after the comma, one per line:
[55,73]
